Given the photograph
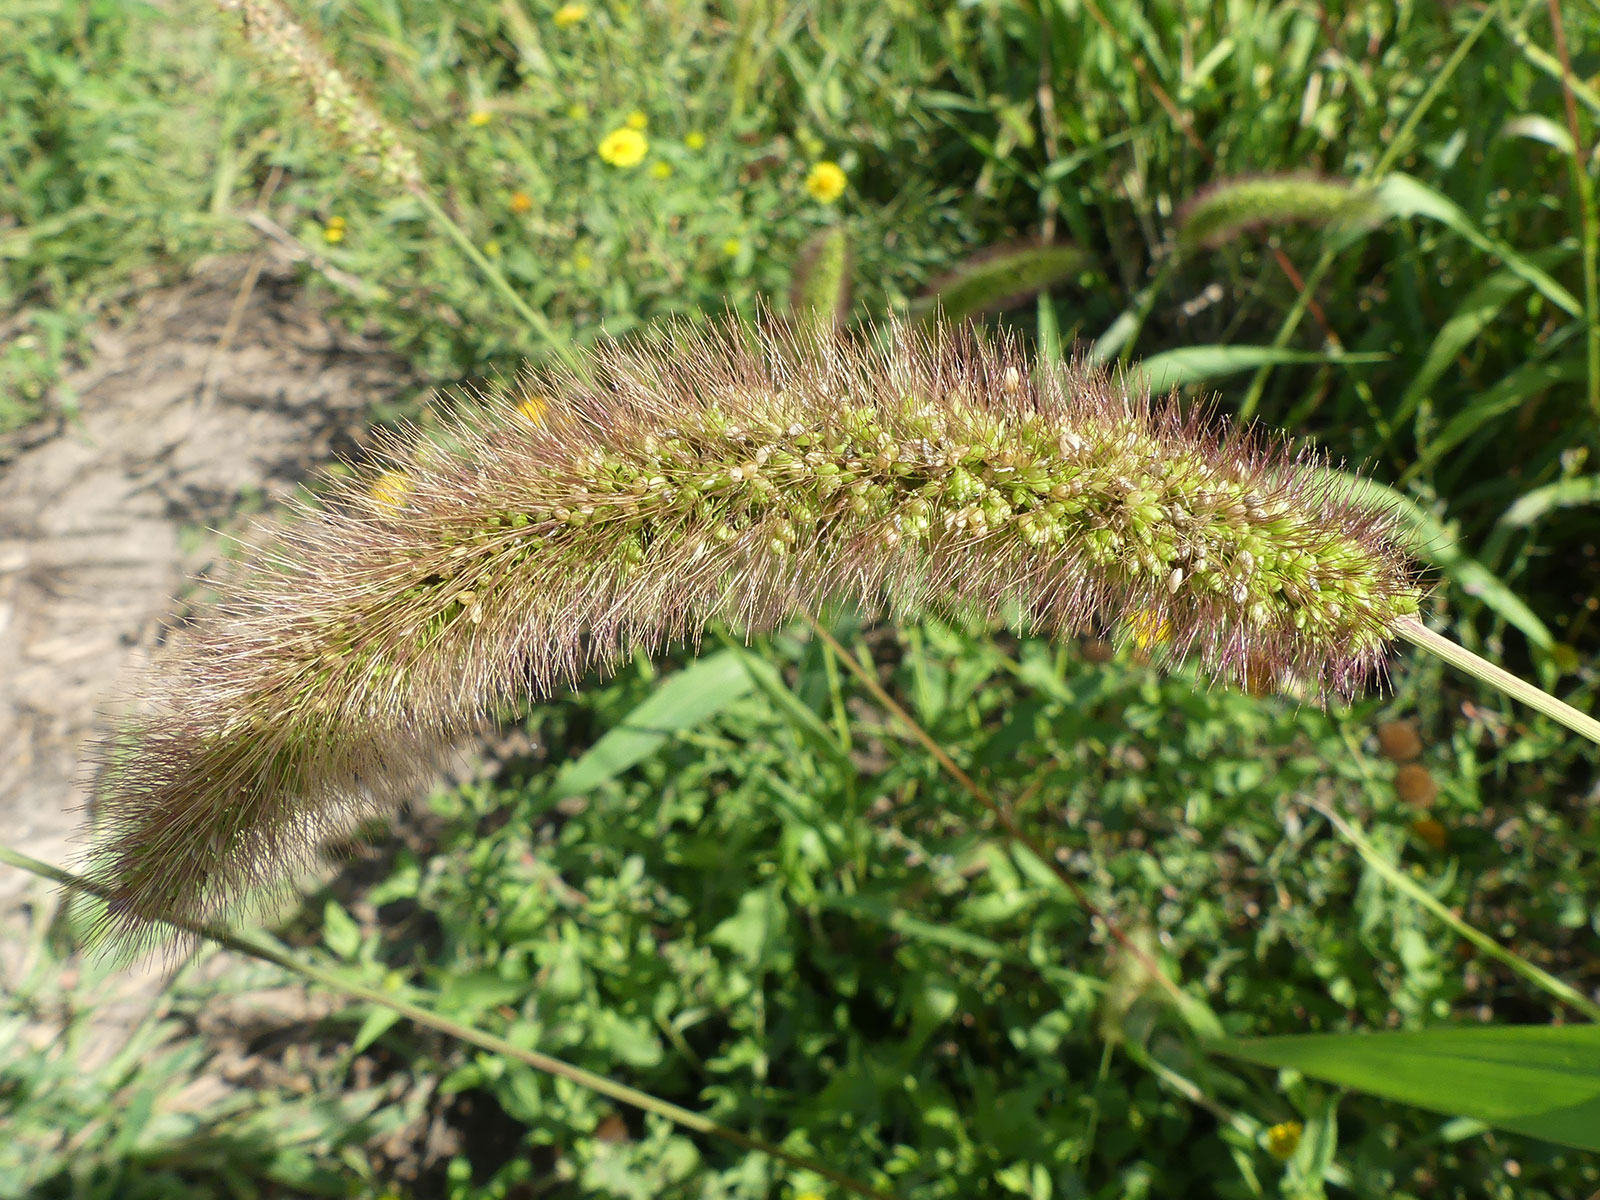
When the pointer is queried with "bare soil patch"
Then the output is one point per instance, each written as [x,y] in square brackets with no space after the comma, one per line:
[207,399]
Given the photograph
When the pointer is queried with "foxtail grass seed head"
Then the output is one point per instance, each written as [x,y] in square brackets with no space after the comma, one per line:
[1230,207]
[819,292]
[731,475]
[288,48]
[997,278]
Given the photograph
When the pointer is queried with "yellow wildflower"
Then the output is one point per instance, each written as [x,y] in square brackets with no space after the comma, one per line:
[1149,629]
[480,117]
[732,246]
[582,261]
[1284,1139]
[570,14]
[624,147]
[533,408]
[660,170]
[333,231]
[521,202]
[826,182]
[695,140]
[636,120]
[389,490]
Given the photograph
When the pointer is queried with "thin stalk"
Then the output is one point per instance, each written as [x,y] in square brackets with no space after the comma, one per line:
[535,320]
[1403,882]
[260,946]
[1418,634]
[1544,61]
[1584,187]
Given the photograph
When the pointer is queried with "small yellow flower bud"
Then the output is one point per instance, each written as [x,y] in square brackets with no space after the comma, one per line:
[826,182]
[624,148]
[1284,1139]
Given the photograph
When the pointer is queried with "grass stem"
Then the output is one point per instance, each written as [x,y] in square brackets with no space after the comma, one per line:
[1418,634]
[536,321]
[1404,883]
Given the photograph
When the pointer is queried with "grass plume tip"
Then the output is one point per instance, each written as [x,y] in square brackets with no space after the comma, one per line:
[1223,211]
[730,474]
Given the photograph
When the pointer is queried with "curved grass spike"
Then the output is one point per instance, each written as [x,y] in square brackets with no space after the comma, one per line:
[284,43]
[998,278]
[819,293]
[737,475]
[1226,209]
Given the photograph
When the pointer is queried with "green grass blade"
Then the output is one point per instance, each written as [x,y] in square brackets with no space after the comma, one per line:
[1476,312]
[808,726]
[1509,395]
[1538,1080]
[1198,364]
[1565,493]
[685,700]
[1402,196]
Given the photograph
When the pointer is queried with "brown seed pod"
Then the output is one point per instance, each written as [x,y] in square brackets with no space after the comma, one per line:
[1398,741]
[1415,786]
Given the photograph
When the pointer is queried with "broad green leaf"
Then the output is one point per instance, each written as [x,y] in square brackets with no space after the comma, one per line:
[1538,1080]
[995,279]
[1564,493]
[467,995]
[699,691]
[377,1023]
[1196,364]
[1402,196]
[757,930]
[1428,538]
[340,931]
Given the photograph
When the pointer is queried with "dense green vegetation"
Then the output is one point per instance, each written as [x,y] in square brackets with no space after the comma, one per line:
[737,881]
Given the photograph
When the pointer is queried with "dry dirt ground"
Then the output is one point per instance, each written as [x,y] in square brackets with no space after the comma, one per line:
[217,394]
[205,398]
[210,400]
